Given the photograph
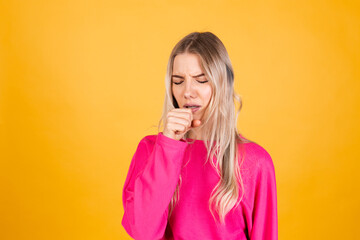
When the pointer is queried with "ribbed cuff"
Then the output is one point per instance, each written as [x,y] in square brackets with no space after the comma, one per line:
[171,143]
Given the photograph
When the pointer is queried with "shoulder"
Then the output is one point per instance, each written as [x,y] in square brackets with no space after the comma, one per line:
[146,143]
[148,140]
[256,157]
[143,149]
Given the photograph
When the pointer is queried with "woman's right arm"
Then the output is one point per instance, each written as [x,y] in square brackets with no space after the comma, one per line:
[149,186]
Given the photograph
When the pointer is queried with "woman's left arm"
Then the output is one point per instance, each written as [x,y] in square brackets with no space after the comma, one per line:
[265,219]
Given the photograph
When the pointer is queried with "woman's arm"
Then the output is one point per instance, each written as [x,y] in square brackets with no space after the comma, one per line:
[149,186]
[265,219]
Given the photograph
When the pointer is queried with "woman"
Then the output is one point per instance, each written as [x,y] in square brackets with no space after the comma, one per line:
[179,185]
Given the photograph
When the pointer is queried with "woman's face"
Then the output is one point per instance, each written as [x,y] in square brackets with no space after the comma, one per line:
[189,84]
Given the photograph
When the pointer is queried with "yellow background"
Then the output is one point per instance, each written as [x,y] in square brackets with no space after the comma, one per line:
[83,81]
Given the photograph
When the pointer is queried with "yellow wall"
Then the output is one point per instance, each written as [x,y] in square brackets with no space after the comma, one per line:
[81,82]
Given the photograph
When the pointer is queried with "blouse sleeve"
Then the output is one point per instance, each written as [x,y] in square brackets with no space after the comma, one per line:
[265,219]
[149,186]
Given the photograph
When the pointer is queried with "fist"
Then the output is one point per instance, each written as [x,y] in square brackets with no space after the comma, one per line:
[178,121]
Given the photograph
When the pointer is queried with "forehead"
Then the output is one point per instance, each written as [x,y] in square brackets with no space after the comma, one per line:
[187,63]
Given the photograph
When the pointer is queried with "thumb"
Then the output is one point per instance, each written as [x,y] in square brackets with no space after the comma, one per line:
[196,123]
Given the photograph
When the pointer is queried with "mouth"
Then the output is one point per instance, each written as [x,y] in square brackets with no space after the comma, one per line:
[193,108]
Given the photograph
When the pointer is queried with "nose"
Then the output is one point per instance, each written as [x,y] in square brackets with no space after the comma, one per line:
[189,89]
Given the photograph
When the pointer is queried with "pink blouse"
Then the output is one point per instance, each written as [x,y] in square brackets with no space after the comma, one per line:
[152,178]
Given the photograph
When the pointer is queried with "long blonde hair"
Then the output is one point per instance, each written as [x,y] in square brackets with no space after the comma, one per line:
[219,120]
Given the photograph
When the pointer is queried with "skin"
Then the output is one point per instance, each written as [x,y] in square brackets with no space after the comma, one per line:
[187,88]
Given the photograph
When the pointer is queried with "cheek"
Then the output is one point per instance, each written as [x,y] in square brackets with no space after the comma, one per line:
[176,94]
[207,94]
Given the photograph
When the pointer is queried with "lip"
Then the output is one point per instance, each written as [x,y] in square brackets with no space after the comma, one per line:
[192,109]
[195,109]
[192,104]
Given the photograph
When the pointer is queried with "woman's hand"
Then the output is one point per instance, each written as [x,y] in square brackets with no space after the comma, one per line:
[178,122]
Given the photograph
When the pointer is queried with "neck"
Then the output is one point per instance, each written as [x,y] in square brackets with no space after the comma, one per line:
[194,132]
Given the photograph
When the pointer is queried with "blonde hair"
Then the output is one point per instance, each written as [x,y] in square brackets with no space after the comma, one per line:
[219,121]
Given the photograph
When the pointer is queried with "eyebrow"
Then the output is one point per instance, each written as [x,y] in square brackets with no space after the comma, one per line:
[202,74]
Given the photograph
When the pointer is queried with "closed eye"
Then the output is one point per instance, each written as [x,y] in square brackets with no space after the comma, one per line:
[183,81]
[177,83]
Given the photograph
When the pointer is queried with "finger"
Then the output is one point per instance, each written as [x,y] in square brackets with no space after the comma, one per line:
[196,123]
[177,128]
[182,110]
[179,120]
[181,114]
[188,110]
[191,115]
